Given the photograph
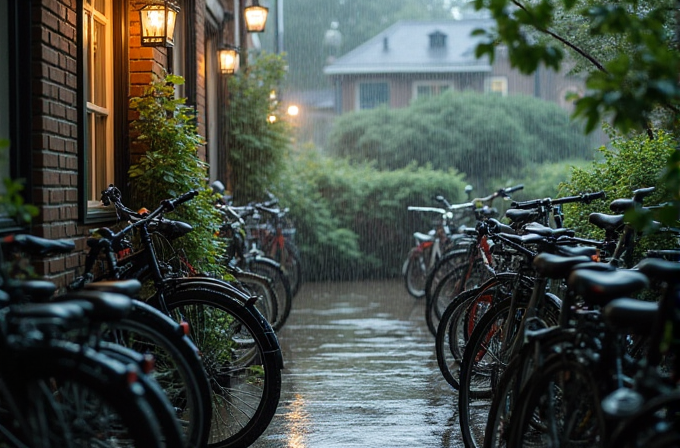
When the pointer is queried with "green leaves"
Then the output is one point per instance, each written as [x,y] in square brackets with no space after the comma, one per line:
[626,46]
[257,147]
[170,166]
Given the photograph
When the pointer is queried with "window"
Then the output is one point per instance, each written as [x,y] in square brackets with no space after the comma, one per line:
[99,96]
[496,85]
[430,88]
[373,94]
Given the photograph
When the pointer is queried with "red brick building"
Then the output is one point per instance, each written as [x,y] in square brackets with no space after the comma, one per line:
[67,71]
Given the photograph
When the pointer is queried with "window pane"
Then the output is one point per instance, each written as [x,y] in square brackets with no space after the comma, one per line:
[99,5]
[99,63]
[372,95]
[97,155]
[424,91]
[87,42]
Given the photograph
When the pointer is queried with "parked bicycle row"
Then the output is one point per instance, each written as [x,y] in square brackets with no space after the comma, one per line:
[537,329]
[179,358]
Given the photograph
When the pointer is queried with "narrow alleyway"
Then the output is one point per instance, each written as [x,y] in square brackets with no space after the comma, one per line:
[361,372]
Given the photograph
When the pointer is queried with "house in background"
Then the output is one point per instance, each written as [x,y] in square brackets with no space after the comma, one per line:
[412,59]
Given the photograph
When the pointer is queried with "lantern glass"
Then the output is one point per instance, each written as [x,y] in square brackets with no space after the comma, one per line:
[157,21]
[229,60]
[256,18]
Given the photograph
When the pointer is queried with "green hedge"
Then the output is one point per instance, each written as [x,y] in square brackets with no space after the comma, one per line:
[352,219]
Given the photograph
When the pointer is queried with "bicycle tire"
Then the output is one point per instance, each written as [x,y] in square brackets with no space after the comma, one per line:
[448,288]
[171,433]
[453,329]
[482,365]
[513,380]
[290,261]
[261,286]
[562,382]
[272,270]
[448,261]
[178,366]
[415,273]
[35,374]
[241,356]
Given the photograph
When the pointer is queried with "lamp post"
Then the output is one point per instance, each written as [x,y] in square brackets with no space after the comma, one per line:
[157,19]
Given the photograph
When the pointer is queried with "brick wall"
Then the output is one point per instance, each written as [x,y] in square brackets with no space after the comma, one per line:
[54,129]
[55,157]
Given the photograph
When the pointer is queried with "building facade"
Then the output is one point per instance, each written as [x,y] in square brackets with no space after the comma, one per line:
[412,59]
[67,71]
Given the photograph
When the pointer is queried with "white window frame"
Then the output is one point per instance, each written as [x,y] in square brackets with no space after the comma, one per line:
[491,80]
[100,146]
[439,84]
[376,81]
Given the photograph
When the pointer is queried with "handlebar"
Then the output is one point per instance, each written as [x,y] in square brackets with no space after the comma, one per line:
[585,198]
[501,192]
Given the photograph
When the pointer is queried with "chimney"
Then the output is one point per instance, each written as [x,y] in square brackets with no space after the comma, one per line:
[386,44]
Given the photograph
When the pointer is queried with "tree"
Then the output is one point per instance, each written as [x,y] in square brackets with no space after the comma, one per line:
[640,62]
[636,78]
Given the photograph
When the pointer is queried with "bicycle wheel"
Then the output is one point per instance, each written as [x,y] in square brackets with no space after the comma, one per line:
[288,257]
[242,359]
[66,395]
[171,433]
[484,360]
[559,407]
[448,261]
[459,319]
[415,272]
[514,379]
[459,279]
[178,366]
[261,286]
[272,270]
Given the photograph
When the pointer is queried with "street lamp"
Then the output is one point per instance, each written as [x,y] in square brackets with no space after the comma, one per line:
[157,19]
[256,17]
[229,60]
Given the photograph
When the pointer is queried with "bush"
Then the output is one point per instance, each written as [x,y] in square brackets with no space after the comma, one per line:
[352,219]
[484,136]
[171,166]
[257,147]
[631,163]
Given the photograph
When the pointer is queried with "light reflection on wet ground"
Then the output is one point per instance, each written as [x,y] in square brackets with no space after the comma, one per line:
[361,372]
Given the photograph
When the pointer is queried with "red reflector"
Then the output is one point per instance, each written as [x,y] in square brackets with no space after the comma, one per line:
[149,363]
[132,376]
[185,327]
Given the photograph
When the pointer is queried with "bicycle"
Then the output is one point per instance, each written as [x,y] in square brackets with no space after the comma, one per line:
[239,348]
[54,392]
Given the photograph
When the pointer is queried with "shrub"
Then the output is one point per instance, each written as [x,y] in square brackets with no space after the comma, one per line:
[632,162]
[352,218]
[171,166]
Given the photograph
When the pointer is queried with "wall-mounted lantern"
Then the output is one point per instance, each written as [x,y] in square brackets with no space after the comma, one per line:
[256,17]
[229,60]
[157,19]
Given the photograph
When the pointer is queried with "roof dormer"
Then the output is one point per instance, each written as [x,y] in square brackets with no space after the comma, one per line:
[437,40]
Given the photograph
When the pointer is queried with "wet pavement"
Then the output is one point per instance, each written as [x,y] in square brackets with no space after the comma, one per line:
[360,371]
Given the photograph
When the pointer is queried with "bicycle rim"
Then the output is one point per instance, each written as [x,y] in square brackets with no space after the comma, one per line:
[243,367]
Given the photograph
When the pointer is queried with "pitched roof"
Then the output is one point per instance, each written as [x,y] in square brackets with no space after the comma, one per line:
[405,48]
